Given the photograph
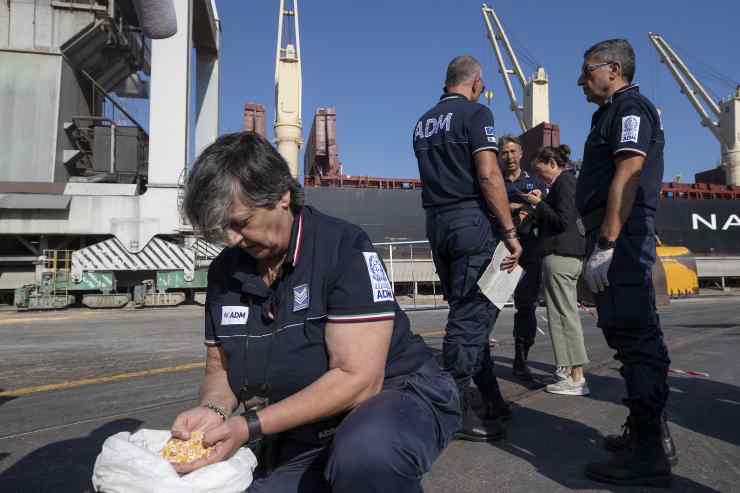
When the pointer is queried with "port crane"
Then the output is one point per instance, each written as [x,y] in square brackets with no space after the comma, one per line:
[722,117]
[535,108]
[288,86]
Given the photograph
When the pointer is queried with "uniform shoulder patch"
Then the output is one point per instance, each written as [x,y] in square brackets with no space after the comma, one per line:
[489,131]
[630,129]
[379,283]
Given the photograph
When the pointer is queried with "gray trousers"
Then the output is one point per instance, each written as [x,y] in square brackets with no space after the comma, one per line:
[559,278]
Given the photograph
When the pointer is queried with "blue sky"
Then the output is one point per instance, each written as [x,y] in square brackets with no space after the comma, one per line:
[382,64]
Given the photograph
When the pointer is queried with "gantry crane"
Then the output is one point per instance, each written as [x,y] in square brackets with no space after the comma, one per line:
[288,87]
[722,117]
[536,107]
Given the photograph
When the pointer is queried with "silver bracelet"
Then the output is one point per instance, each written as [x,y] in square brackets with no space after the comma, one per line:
[216,409]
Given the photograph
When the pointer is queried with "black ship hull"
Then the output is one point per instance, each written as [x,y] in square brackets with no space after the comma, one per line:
[706,227]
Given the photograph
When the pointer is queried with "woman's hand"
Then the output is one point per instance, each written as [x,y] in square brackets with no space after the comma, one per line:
[196,419]
[534,197]
[226,438]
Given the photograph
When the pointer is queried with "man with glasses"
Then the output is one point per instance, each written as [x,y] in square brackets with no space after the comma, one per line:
[617,195]
[467,209]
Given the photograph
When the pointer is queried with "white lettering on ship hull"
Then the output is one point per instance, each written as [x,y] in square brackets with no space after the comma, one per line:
[711,223]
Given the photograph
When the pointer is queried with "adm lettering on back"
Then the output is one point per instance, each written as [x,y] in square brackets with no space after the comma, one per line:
[425,129]
[234,315]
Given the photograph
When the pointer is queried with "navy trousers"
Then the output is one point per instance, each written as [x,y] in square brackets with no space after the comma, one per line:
[384,445]
[628,317]
[463,243]
[526,296]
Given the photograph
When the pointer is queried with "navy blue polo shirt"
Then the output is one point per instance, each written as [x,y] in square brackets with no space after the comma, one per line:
[445,139]
[626,122]
[524,184]
[332,274]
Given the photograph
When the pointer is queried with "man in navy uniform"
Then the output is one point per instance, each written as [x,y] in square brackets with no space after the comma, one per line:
[518,184]
[617,195]
[465,201]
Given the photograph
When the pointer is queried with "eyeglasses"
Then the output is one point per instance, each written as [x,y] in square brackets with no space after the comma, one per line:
[587,69]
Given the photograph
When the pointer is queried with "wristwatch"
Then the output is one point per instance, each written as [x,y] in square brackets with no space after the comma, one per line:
[253,425]
[605,244]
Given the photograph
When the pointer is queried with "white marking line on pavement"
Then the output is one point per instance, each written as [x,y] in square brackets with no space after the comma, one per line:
[105,379]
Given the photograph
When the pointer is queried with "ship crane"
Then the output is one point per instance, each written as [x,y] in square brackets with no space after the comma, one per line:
[288,86]
[722,117]
[536,106]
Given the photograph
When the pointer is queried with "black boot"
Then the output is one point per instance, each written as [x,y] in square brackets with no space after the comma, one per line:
[620,443]
[498,409]
[475,427]
[643,462]
[520,368]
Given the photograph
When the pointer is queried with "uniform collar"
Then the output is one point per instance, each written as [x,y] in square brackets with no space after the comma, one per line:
[244,268]
[451,95]
[296,240]
[627,88]
[523,175]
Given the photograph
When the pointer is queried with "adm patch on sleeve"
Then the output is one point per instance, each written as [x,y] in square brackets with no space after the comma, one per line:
[381,286]
[630,129]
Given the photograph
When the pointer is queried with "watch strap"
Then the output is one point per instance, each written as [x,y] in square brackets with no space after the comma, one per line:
[605,244]
[253,425]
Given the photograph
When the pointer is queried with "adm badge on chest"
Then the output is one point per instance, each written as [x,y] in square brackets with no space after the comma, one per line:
[300,298]
[381,286]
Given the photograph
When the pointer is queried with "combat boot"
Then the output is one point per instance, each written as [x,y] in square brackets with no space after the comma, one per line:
[642,463]
[620,443]
[475,426]
[520,368]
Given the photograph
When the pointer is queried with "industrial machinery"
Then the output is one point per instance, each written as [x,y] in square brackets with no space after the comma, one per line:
[89,192]
[722,117]
[536,106]
[288,87]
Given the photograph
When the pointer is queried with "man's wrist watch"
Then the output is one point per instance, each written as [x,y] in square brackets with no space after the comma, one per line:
[254,426]
[605,244]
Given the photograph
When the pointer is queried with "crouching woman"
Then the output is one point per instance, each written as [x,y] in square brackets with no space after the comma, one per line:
[300,316]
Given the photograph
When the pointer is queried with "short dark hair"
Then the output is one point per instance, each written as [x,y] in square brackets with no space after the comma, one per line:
[615,50]
[559,154]
[461,69]
[509,139]
[242,166]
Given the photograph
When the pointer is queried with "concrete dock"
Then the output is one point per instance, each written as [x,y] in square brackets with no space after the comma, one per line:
[70,379]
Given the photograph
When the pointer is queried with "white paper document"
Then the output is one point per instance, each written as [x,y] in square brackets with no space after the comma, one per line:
[498,285]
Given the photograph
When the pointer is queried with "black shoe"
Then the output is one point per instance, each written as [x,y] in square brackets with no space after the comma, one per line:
[475,427]
[620,443]
[500,410]
[643,463]
[520,368]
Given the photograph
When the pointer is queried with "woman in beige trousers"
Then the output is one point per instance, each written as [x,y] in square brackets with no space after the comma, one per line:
[562,245]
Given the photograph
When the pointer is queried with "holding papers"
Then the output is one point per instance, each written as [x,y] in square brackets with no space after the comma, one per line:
[496,284]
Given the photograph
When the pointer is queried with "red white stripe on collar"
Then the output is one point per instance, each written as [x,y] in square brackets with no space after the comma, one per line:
[299,240]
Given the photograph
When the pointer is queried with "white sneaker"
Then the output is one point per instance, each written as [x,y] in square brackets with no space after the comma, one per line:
[568,386]
[562,373]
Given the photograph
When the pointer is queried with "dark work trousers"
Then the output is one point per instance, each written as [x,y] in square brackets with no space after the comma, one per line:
[384,445]
[526,296]
[463,243]
[628,317]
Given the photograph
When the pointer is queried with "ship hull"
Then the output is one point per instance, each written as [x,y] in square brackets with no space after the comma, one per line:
[706,227]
